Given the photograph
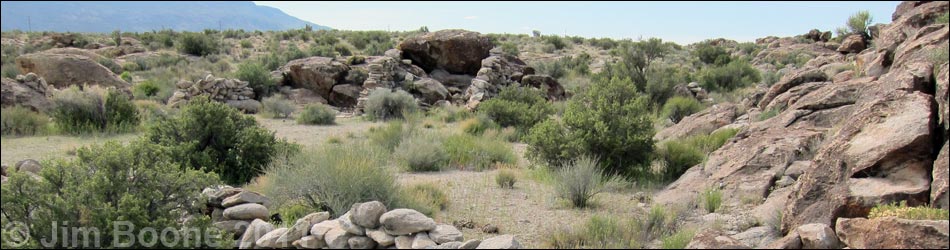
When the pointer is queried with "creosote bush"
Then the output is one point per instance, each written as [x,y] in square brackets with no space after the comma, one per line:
[519,107]
[197,44]
[470,152]
[257,77]
[427,198]
[679,107]
[139,183]
[317,114]
[506,179]
[80,112]
[385,104]
[215,137]
[422,152]
[478,125]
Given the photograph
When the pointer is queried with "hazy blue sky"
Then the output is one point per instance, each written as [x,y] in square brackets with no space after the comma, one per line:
[682,22]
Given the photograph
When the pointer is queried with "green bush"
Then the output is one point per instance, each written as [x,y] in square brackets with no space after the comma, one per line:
[317,114]
[506,179]
[450,113]
[510,49]
[519,107]
[421,153]
[902,211]
[610,121]
[385,104]
[355,60]
[126,76]
[467,151]
[857,24]
[712,199]
[343,50]
[944,19]
[713,55]
[478,125]
[678,157]
[555,41]
[257,77]
[599,232]
[427,198]
[246,44]
[679,107]
[389,136]
[197,44]
[120,113]
[734,75]
[20,121]
[139,183]
[333,176]
[78,112]
[277,106]
[661,79]
[679,240]
[146,90]
[214,137]
[581,180]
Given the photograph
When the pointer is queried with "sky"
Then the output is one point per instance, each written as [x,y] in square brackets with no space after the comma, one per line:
[681,22]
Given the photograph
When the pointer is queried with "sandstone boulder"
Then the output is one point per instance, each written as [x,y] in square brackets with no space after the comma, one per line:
[367,214]
[405,221]
[470,244]
[254,232]
[818,236]
[361,242]
[320,229]
[403,242]
[29,165]
[347,224]
[554,89]
[245,197]
[893,233]
[456,51]
[337,238]
[309,242]
[939,187]
[249,211]
[500,242]
[380,237]
[29,91]
[269,240]
[429,89]
[300,228]
[345,95]
[64,70]
[445,233]
[422,241]
[852,44]
[318,74]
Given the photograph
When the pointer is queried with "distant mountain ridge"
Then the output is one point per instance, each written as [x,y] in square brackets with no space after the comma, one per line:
[60,16]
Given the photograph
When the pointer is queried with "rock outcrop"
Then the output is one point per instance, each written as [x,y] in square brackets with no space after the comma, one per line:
[893,233]
[456,51]
[234,92]
[62,68]
[28,90]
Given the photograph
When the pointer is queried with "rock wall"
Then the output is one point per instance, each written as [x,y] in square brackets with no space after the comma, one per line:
[233,92]
[366,225]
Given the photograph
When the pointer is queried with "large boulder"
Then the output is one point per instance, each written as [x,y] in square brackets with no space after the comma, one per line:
[245,197]
[818,236]
[893,233]
[422,241]
[500,242]
[429,89]
[337,238]
[405,222]
[269,240]
[64,70]
[704,122]
[380,237]
[445,233]
[29,165]
[345,95]
[30,91]
[939,187]
[852,44]
[554,89]
[254,232]
[361,242]
[321,229]
[301,228]
[318,74]
[248,211]
[310,242]
[367,214]
[456,51]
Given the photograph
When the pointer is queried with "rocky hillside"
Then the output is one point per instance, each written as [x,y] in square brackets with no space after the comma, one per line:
[842,142]
[144,16]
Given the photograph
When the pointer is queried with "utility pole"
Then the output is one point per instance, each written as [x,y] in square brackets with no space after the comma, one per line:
[29,24]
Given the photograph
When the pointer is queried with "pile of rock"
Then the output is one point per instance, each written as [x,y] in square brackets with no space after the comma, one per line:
[366,226]
[30,167]
[694,90]
[233,209]
[234,92]
[30,91]
[818,36]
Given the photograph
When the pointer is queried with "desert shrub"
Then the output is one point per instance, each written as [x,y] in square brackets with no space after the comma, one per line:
[151,111]
[427,198]
[343,50]
[333,176]
[677,108]
[120,113]
[678,157]
[518,107]
[510,49]
[145,90]
[215,137]
[138,183]
[478,125]
[317,114]
[610,121]
[661,80]
[579,181]
[768,114]
[734,75]
[451,113]
[944,19]
[355,60]
[384,104]
[257,77]
[902,211]
[422,152]
[857,24]
[10,70]
[506,179]
[20,121]
[126,76]
[246,44]
[678,240]
[771,77]
[555,41]
[711,199]
[292,211]
[562,67]
[197,44]
[467,151]
[389,136]
[599,232]
[78,112]
[714,55]
[276,106]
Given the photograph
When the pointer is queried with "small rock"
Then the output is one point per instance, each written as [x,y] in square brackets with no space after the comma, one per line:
[309,242]
[29,165]
[405,222]
[217,194]
[383,239]
[818,236]
[500,242]
[246,212]
[403,242]
[367,214]
[450,245]
[269,240]
[254,232]
[790,241]
[421,241]
[490,229]
[445,233]
[245,197]
[361,242]
[337,238]
[470,244]
[347,224]
[320,229]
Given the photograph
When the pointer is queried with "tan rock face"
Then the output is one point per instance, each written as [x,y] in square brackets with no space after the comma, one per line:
[64,70]
[456,51]
[893,233]
[28,91]
[941,183]
[852,44]
[318,74]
